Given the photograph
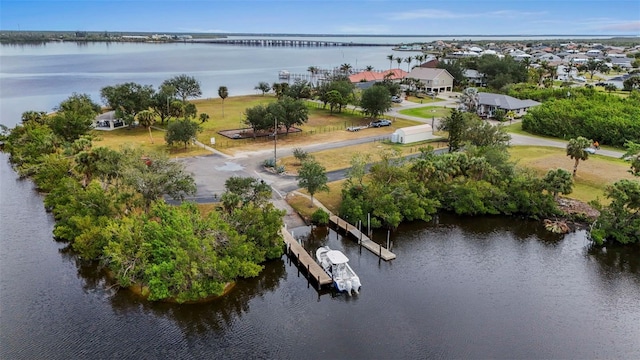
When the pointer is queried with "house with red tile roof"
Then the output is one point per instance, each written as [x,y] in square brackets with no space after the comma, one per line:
[366,76]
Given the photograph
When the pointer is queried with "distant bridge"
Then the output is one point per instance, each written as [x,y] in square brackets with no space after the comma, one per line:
[284,43]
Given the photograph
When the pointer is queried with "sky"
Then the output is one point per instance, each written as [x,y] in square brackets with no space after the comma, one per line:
[339,17]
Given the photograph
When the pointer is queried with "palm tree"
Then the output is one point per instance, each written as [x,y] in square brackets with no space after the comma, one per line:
[346,69]
[390,58]
[408,61]
[419,58]
[568,68]
[576,149]
[369,68]
[469,98]
[558,181]
[314,71]
[399,61]
[146,118]
[223,92]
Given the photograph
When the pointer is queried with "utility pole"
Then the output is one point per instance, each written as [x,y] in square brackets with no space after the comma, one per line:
[275,143]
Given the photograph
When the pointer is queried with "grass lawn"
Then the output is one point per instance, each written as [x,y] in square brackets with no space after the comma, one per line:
[427,112]
[424,99]
[516,128]
[323,125]
[336,159]
[331,199]
[593,174]
[139,137]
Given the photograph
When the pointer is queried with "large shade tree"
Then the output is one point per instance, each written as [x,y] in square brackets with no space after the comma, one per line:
[127,99]
[185,86]
[375,101]
[74,117]
[163,103]
[263,86]
[292,112]
[182,131]
[312,177]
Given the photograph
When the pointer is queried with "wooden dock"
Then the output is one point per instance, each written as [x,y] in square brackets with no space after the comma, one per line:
[363,239]
[305,260]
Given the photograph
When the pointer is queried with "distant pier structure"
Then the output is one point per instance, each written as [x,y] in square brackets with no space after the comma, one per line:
[284,42]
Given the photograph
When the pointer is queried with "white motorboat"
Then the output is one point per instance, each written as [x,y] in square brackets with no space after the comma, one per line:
[335,263]
[283,74]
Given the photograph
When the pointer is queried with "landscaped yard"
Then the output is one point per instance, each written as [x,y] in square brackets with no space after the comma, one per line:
[139,137]
[593,174]
[427,112]
[336,159]
[323,125]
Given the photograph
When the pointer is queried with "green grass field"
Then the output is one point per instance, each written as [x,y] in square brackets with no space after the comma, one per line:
[427,112]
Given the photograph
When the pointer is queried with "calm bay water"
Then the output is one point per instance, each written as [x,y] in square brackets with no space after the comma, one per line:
[39,77]
[460,288]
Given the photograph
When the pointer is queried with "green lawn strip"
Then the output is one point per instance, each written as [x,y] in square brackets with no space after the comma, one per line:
[593,174]
[427,112]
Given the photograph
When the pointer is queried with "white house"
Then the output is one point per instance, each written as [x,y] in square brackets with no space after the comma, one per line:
[412,134]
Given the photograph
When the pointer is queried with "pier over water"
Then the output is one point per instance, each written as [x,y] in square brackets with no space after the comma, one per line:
[285,42]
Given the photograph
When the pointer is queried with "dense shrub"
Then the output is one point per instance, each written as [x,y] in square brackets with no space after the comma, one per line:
[607,118]
[320,217]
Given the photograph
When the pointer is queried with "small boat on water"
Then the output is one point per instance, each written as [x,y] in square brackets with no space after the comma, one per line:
[335,263]
[283,74]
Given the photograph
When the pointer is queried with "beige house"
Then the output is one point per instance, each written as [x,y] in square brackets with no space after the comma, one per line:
[436,80]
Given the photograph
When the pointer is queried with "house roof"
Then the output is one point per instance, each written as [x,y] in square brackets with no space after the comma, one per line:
[377,75]
[427,73]
[473,74]
[433,63]
[504,101]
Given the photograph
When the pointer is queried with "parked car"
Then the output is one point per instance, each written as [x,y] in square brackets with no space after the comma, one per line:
[379,123]
[396,99]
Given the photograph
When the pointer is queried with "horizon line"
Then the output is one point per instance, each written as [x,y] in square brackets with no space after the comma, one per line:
[323,34]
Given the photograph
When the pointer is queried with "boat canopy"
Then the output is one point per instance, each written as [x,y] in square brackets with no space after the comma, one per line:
[337,257]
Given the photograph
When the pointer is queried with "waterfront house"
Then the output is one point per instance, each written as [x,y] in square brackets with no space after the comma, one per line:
[436,80]
[367,76]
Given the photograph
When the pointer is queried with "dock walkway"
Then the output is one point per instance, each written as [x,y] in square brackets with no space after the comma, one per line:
[364,240]
[305,260]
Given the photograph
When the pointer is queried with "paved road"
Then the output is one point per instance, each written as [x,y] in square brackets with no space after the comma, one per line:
[211,171]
